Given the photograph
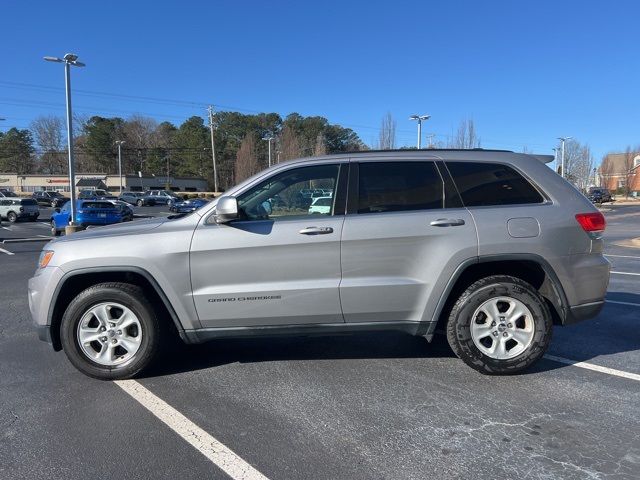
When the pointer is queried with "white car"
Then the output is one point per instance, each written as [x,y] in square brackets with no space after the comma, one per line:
[321,205]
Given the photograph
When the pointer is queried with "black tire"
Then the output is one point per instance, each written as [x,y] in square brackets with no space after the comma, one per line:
[132,297]
[12,217]
[140,203]
[460,318]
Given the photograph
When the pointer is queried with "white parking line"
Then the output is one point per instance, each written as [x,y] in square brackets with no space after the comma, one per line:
[595,368]
[622,256]
[6,251]
[223,457]
[624,303]
[625,273]
[7,228]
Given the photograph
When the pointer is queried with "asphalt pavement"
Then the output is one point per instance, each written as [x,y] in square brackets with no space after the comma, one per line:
[353,406]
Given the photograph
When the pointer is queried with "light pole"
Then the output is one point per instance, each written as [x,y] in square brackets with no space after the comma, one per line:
[268,138]
[419,118]
[69,59]
[119,143]
[213,150]
[563,139]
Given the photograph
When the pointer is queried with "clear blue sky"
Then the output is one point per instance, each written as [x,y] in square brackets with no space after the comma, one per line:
[525,72]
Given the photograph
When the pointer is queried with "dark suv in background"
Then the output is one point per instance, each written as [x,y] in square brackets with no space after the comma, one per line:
[50,199]
[599,195]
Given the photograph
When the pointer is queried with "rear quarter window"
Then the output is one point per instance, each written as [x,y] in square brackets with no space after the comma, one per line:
[487,184]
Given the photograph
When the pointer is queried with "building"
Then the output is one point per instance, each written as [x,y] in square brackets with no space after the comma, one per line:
[35,182]
[613,172]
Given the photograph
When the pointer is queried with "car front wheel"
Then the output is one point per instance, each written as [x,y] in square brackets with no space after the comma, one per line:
[110,331]
[140,203]
[500,325]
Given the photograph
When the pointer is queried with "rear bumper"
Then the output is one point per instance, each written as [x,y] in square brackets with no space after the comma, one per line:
[585,311]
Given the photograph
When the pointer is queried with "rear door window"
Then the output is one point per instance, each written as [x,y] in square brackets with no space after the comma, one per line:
[28,201]
[487,184]
[399,186]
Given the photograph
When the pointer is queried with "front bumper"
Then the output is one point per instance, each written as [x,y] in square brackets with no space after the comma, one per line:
[41,290]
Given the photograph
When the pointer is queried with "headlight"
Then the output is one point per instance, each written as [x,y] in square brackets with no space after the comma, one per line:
[45,258]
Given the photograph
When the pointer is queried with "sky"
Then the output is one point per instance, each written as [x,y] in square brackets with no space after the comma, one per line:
[526,72]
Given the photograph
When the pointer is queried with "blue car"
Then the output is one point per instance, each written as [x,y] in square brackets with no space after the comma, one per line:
[188,206]
[88,212]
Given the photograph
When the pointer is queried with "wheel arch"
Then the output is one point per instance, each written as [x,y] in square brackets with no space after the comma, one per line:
[531,268]
[78,280]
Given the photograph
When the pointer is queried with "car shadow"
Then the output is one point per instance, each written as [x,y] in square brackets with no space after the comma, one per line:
[582,342]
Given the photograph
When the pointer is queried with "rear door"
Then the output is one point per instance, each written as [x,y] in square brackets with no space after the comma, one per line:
[404,235]
[279,263]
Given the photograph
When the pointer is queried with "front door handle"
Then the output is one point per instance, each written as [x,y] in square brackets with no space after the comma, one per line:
[447,222]
[316,230]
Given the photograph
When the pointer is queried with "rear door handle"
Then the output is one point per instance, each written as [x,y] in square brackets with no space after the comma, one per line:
[447,222]
[316,230]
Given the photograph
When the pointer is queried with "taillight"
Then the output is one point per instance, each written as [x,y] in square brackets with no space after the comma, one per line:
[593,222]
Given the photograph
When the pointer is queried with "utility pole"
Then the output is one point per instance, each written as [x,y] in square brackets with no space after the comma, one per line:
[419,118]
[119,143]
[69,59]
[167,182]
[213,150]
[563,139]
[430,137]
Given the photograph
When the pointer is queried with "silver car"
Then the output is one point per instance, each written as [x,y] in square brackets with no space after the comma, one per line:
[492,247]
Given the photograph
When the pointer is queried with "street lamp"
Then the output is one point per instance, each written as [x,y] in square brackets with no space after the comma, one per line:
[119,143]
[419,118]
[563,139]
[69,60]
[268,138]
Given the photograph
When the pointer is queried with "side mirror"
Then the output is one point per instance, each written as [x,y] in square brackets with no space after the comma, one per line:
[226,209]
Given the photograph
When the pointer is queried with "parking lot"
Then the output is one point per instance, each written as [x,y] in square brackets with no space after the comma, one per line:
[363,406]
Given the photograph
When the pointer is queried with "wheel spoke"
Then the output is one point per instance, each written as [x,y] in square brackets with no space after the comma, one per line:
[88,335]
[130,344]
[521,336]
[102,314]
[126,320]
[515,312]
[106,354]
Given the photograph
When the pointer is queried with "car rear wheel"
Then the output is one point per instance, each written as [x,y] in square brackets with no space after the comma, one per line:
[140,203]
[110,331]
[500,325]
[12,217]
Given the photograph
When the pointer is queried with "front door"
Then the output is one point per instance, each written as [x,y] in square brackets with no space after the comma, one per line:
[279,263]
[404,236]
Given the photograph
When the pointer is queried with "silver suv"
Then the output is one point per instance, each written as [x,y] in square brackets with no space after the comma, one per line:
[492,247]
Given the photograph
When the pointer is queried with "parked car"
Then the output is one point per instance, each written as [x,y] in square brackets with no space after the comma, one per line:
[490,246]
[6,193]
[50,199]
[163,197]
[126,212]
[96,194]
[137,198]
[599,195]
[14,209]
[88,213]
[188,206]
[321,205]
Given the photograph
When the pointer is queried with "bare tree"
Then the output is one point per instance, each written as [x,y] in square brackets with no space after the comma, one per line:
[466,136]
[290,144]
[578,163]
[247,158]
[605,171]
[387,135]
[627,165]
[48,134]
[139,134]
[321,146]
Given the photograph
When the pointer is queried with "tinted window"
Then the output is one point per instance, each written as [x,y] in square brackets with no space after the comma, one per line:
[97,205]
[482,184]
[28,201]
[399,186]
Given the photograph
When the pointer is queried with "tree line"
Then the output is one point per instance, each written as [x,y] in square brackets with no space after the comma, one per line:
[164,148]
